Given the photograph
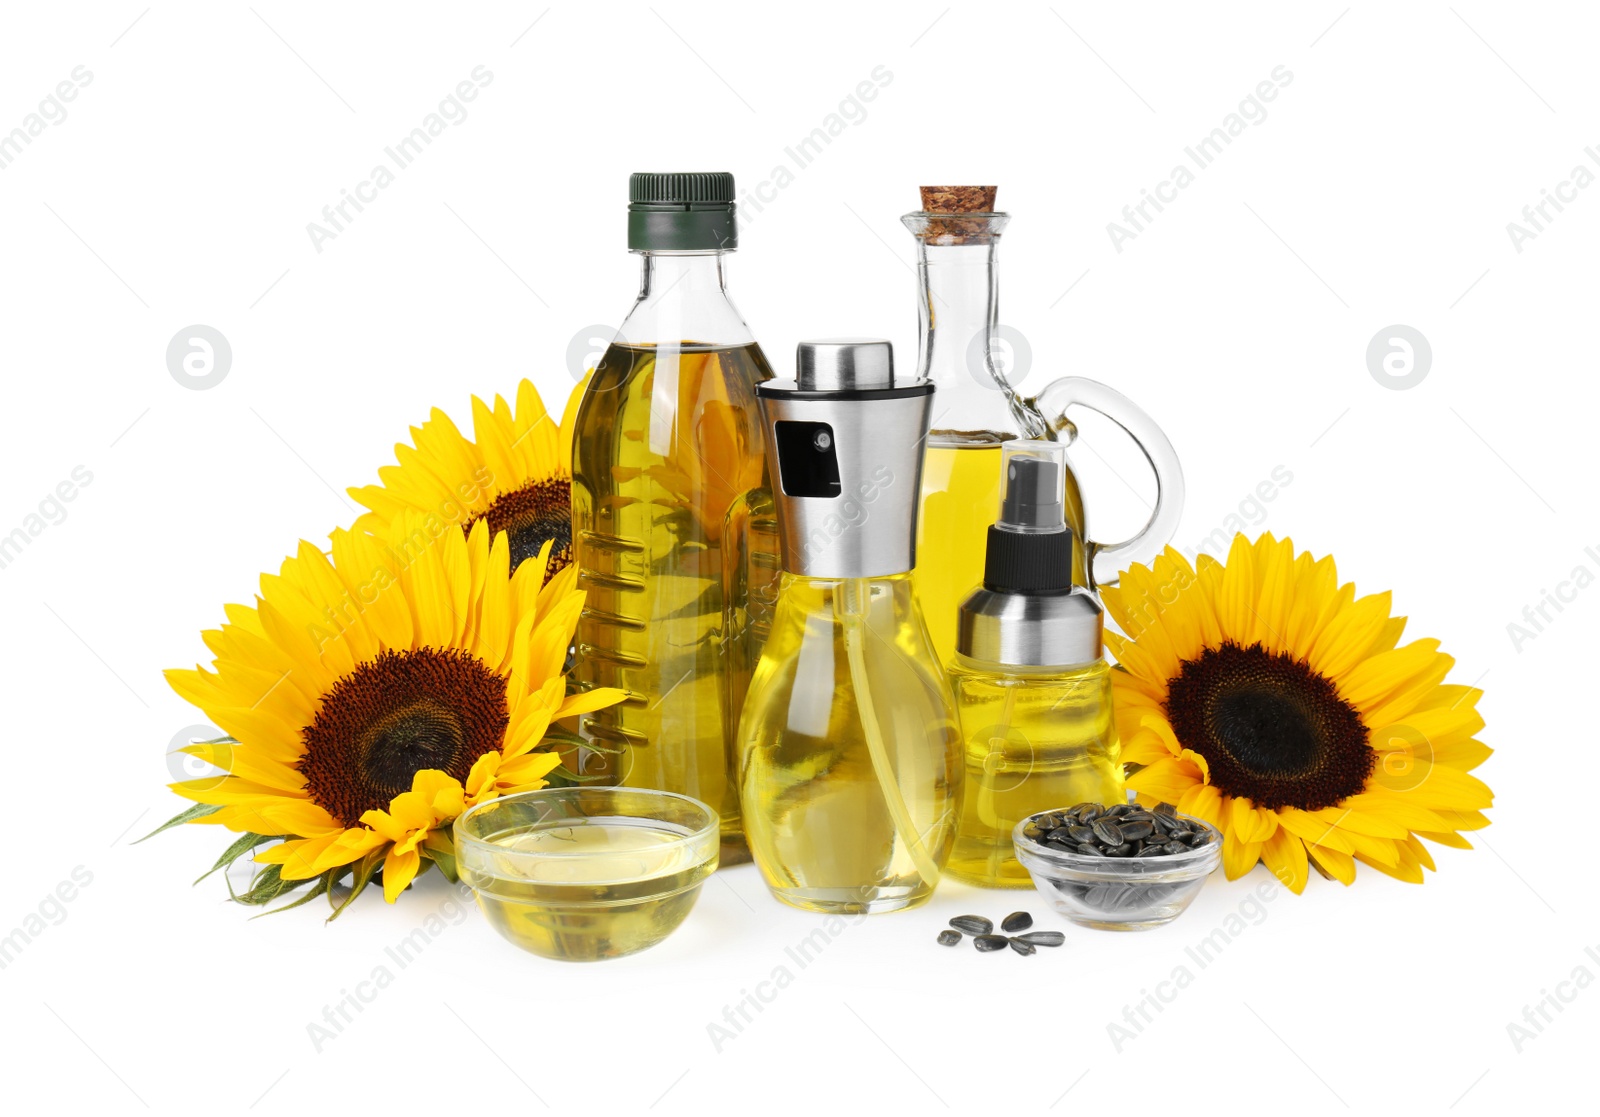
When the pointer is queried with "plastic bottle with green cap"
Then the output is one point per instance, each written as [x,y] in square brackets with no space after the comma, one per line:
[672,520]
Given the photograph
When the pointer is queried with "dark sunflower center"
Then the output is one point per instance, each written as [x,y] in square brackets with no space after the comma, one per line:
[395,715]
[1271,729]
[539,512]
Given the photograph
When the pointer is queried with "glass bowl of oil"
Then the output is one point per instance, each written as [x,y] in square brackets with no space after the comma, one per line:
[1117,893]
[587,873]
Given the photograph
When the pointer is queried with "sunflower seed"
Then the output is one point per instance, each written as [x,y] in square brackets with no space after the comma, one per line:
[1136,831]
[1175,847]
[1122,850]
[1081,833]
[1016,921]
[1043,938]
[949,938]
[1021,947]
[1166,809]
[1108,832]
[989,943]
[1088,812]
[1089,849]
[972,924]
[1119,811]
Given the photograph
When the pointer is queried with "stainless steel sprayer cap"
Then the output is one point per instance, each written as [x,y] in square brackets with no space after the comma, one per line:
[844,446]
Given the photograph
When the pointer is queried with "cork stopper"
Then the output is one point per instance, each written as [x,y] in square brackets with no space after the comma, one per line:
[941,204]
[958,199]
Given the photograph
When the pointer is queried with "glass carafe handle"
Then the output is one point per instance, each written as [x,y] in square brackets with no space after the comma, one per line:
[1106,560]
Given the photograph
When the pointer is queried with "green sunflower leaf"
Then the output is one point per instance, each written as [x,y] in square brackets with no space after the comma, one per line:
[439,849]
[238,849]
[199,810]
[362,873]
[265,887]
[320,885]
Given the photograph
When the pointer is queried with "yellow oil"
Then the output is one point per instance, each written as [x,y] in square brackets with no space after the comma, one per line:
[675,542]
[590,891]
[1033,740]
[960,499]
[820,825]
[961,487]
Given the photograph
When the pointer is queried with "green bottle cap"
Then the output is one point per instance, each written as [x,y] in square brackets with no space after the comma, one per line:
[685,212]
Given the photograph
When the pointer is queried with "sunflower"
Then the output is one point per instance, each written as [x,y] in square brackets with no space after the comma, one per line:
[1266,698]
[515,474]
[371,697]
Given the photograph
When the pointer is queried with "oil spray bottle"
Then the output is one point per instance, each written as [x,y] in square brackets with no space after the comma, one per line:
[1032,688]
[851,775]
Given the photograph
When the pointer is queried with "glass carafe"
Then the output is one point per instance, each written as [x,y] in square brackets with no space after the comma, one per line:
[977,411]
[673,529]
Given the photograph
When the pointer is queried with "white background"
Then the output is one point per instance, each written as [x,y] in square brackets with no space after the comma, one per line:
[1377,191]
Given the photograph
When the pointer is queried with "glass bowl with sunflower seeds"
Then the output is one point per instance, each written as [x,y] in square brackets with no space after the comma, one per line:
[1117,868]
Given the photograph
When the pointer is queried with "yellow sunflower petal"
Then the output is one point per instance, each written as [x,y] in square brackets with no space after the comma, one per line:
[1313,831]
[1238,857]
[399,869]
[1403,865]
[1285,855]
[1339,866]
[1166,780]
[597,698]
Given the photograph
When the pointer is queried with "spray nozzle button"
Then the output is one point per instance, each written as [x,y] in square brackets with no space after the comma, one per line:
[1035,485]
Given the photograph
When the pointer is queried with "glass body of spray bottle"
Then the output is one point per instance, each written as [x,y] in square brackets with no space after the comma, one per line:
[1032,689]
[851,775]
[672,523]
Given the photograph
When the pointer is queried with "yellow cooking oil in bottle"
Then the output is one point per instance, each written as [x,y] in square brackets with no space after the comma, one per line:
[960,490]
[1032,689]
[673,531]
[851,776]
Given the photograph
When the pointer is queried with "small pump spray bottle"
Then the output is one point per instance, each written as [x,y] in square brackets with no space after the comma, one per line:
[850,777]
[1032,688]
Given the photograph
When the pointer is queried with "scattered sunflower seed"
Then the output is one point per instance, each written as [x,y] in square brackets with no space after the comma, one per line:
[990,943]
[949,938]
[1021,947]
[972,924]
[1043,938]
[1016,921]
